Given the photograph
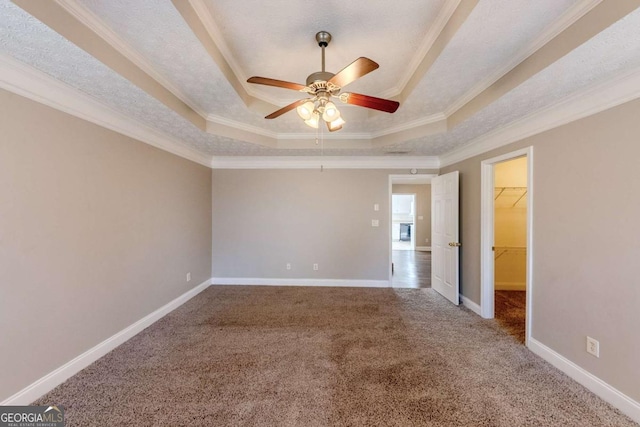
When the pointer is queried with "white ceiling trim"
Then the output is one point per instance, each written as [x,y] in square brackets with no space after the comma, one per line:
[420,179]
[566,20]
[242,126]
[324,135]
[26,81]
[434,118]
[90,20]
[329,162]
[597,98]
[430,38]
[286,136]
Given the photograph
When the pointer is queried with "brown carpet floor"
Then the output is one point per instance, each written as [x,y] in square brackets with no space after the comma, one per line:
[294,356]
[510,312]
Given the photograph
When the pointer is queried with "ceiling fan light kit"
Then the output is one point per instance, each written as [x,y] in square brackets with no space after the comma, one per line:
[323,86]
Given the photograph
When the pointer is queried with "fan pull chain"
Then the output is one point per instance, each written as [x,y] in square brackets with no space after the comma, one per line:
[321,132]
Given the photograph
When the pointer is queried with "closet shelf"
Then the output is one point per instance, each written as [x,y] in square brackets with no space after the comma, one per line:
[501,250]
[501,190]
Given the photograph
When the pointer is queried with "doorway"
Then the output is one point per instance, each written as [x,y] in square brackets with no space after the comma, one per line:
[506,240]
[410,231]
[403,222]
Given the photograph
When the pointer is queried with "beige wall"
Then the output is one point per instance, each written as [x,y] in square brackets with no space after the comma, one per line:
[97,230]
[510,222]
[585,240]
[423,209]
[264,219]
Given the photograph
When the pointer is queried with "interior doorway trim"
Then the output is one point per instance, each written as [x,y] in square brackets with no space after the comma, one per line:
[402,179]
[487,235]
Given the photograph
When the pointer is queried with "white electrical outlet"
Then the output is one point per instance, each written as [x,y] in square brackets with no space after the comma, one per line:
[288,266]
[593,346]
[375,223]
[188,277]
[376,207]
[315,267]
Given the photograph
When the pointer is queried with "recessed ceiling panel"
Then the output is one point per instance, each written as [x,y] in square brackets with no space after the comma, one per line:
[277,38]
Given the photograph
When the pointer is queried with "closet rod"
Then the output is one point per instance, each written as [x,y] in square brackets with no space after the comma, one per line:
[519,198]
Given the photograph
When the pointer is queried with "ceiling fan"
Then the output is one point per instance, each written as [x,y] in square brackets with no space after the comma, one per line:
[322,86]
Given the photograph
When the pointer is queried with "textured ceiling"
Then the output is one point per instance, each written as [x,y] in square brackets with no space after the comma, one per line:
[275,39]
[283,32]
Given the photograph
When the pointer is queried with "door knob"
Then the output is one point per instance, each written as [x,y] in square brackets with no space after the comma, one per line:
[455,244]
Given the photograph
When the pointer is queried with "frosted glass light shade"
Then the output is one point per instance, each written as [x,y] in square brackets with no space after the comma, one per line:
[336,124]
[313,120]
[331,113]
[305,111]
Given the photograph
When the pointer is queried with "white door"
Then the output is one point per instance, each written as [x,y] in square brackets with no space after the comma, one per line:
[444,228]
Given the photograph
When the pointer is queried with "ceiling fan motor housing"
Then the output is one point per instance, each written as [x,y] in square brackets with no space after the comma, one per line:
[320,76]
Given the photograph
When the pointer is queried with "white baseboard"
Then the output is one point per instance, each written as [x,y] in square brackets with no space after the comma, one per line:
[423,248]
[470,304]
[300,282]
[510,286]
[615,397]
[60,375]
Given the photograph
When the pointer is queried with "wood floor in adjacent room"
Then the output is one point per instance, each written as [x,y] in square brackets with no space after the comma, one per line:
[304,356]
[411,269]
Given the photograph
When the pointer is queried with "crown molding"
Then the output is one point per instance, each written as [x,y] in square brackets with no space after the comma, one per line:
[293,135]
[89,19]
[311,135]
[618,90]
[26,81]
[572,15]
[329,162]
[241,126]
[434,118]
[326,135]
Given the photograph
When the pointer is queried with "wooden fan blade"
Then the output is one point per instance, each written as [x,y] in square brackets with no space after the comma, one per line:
[286,109]
[372,102]
[353,71]
[277,83]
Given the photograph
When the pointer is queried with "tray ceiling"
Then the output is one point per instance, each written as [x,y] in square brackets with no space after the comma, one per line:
[461,69]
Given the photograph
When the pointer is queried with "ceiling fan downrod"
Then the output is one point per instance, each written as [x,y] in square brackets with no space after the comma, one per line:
[323,38]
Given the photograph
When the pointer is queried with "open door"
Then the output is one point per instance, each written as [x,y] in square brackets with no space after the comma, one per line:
[445,248]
